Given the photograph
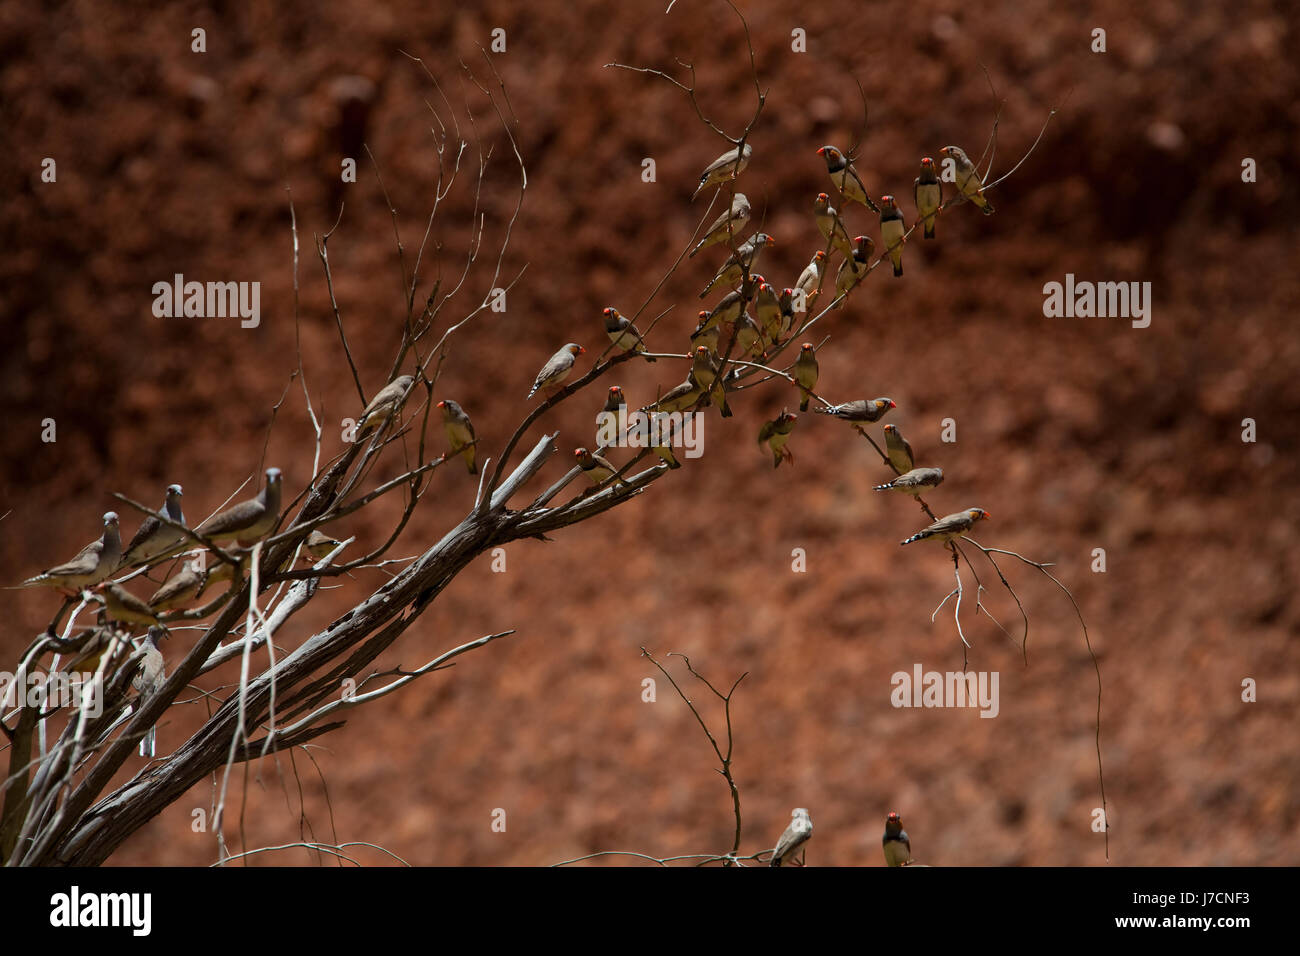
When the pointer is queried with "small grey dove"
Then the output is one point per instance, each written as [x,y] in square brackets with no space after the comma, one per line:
[154,537]
[249,520]
[92,564]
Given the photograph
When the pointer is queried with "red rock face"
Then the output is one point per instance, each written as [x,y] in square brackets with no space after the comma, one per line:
[1075,433]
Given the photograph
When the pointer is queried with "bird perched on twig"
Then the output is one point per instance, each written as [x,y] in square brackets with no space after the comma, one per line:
[247,521]
[123,607]
[595,467]
[740,261]
[915,481]
[863,411]
[92,564]
[460,432]
[706,333]
[845,177]
[678,398]
[180,589]
[623,333]
[805,373]
[556,370]
[388,400]
[810,279]
[776,433]
[928,193]
[154,537]
[950,526]
[830,226]
[854,268]
[793,840]
[149,679]
[727,166]
[892,232]
[968,180]
[899,449]
[898,849]
[704,371]
[726,226]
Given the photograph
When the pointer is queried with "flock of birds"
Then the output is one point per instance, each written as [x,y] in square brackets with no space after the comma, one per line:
[793,842]
[162,537]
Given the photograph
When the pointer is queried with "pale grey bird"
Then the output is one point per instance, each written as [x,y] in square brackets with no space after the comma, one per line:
[726,226]
[968,180]
[155,538]
[915,481]
[863,411]
[793,840]
[247,521]
[734,268]
[556,369]
[149,679]
[727,166]
[180,589]
[950,526]
[898,449]
[92,564]
[388,400]
[830,225]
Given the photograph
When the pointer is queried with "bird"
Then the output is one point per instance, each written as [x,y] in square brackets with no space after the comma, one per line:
[662,428]
[786,304]
[92,564]
[855,268]
[123,607]
[898,849]
[915,481]
[805,373]
[705,333]
[810,279]
[224,571]
[727,166]
[705,373]
[678,398]
[99,642]
[615,402]
[388,399]
[795,836]
[726,226]
[899,450]
[830,226]
[247,521]
[950,526]
[594,467]
[892,232]
[740,261]
[731,305]
[776,433]
[928,193]
[767,312]
[748,336]
[149,679]
[154,537]
[623,333]
[845,177]
[460,432]
[318,545]
[180,589]
[556,369]
[968,180]
[865,410]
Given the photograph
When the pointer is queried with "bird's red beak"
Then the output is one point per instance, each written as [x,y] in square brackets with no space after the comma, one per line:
[821,151]
[893,404]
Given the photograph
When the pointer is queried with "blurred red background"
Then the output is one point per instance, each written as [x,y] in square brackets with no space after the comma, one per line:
[1075,433]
